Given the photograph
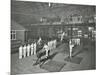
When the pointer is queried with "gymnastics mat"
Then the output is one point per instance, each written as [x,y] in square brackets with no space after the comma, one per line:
[76,60]
[53,66]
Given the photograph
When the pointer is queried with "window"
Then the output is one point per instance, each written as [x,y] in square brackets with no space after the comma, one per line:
[85,35]
[13,35]
[75,28]
[79,33]
[90,28]
[78,18]
[93,33]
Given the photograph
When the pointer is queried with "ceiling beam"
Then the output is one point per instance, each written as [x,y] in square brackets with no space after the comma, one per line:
[83,2]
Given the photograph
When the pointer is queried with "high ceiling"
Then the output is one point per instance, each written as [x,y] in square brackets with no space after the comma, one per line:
[27,13]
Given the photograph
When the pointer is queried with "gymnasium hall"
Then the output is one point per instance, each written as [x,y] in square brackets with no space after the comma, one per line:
[52,37]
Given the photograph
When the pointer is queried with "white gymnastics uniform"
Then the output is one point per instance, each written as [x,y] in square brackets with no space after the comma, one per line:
[20,52]
[35,48]
[75,40]
[39,41]
[70,47]
[50,45]
[46,49]
[24,50]
[32,48]
[62,36]
[28,49]
[78,41]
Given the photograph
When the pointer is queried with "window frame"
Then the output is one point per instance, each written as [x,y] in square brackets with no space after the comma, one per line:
[13,34]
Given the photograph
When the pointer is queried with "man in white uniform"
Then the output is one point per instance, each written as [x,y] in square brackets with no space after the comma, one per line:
[46,48]
[70,47]
[28,49]
[39,41]
[32,48]
[20,52]
[50,45]
[24,50]
[62,36]
[78,41]
[35,45]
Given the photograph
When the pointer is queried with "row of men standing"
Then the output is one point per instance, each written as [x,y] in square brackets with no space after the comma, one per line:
[27,50]
[31,49]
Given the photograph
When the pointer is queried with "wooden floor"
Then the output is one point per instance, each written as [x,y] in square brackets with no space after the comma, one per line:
[24,66]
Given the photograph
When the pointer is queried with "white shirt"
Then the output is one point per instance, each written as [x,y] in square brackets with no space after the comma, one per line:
[39,40]
[62,35]
[46,47]
[20,48]
[24,47]
[28,47]
[32,45]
